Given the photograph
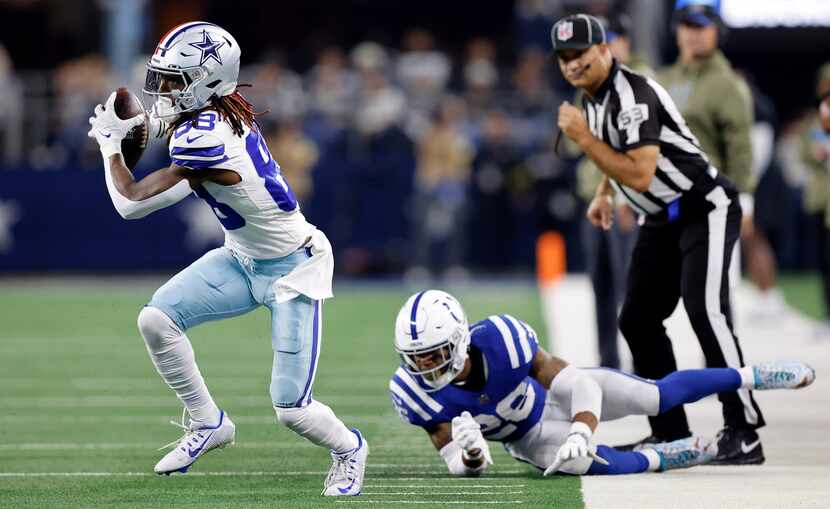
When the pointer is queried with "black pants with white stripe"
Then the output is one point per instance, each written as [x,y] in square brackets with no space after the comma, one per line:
[687,258]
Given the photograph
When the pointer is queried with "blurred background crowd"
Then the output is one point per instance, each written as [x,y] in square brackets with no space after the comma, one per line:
[423,145]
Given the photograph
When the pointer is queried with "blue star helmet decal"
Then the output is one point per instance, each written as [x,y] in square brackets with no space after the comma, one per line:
[209,48]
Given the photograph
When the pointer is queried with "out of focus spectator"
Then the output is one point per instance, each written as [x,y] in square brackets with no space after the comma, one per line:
[373,163]
[11,111]
[275,88]
[532,101]
[296,154]
[423,72]
[80,84]
[443,172]
[717,105]
[492,231]
[379,103]
[533,20]
[480,77]
[815,154]
[332,87]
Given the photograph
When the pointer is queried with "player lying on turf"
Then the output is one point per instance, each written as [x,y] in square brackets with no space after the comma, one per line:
[466,385]
[272,256]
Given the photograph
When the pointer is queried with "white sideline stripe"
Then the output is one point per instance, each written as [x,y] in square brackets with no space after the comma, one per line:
[508,340]
[432,502]
[436,493]
[522,337]
[426,398]
[394,387]
[484,485]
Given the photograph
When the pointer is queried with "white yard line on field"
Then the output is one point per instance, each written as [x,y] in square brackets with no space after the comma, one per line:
[452,480]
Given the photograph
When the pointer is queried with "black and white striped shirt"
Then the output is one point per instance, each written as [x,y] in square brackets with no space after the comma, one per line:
[631,110]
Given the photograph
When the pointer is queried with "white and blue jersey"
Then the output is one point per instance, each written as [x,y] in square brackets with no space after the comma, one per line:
[260,214]
[509,404]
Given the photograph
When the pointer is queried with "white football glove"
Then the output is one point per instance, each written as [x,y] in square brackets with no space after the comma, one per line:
[156,125]
[466,432]
[108,130]
[576,446]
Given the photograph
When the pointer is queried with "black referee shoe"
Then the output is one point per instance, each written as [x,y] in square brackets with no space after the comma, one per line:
[738,446]
[649,440]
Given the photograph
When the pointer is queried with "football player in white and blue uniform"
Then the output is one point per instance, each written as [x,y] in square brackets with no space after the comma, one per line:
[272,256]
[466,385]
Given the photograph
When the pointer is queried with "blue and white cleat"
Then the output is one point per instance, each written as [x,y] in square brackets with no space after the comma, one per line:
[197,441]
[345,477]
[782,375]
[685,453]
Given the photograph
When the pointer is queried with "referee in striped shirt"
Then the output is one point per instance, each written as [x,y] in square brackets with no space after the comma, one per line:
[690,219]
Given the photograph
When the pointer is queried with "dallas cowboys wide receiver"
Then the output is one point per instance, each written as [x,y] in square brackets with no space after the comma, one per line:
[272,257]
[492,381]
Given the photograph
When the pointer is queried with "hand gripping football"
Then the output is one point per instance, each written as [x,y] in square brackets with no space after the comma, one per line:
[128,105]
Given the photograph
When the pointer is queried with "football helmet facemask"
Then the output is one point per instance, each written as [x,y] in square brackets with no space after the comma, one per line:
[432,337]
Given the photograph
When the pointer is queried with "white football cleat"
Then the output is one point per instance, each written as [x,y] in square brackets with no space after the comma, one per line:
[684,453]
[345,477]
[782,375]
[197,440]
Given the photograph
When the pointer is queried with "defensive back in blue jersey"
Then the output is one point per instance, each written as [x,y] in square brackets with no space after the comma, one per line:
[510,402]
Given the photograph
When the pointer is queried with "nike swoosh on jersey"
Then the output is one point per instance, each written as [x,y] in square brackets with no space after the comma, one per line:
[195,452]
[191,140]
[106,135]
[747,448]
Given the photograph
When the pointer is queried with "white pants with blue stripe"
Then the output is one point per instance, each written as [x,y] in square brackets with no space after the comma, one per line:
[222,285]
[622,395]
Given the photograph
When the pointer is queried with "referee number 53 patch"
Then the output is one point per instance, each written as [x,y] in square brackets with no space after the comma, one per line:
[632,117]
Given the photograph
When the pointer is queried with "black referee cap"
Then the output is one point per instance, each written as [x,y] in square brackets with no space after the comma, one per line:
[578,31]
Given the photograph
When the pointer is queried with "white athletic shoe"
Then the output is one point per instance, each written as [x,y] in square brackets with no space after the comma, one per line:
[782,375]
[685,453]
[197,441]
[345,477]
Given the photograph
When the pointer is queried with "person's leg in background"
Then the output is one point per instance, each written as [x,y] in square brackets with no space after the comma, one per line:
[652,293]
[597,244]
[823,262]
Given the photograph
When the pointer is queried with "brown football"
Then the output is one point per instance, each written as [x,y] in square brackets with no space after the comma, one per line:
[128,105]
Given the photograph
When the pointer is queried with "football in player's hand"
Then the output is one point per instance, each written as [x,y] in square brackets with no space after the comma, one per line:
[128,105]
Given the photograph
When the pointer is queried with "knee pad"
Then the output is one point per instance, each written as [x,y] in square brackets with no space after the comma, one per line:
[156,327]
[284,392]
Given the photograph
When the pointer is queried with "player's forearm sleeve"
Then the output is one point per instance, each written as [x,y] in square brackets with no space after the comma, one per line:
[455,463]
[129,209]
[582,390]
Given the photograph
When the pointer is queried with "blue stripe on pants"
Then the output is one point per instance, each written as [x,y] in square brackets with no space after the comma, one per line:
[691,385]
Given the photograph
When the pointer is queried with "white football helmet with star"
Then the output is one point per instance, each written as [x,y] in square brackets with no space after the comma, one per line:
[202,56]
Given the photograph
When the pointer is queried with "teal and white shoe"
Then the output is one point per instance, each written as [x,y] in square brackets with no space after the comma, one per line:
[782,375]
[685,453]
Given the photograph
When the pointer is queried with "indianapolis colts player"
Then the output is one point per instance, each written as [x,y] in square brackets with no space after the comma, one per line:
[271,257]
[493,382]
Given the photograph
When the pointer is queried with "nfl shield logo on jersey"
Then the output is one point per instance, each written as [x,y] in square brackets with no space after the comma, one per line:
[565,30]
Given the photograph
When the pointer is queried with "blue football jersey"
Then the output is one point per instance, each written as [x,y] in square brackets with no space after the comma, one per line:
[510,402]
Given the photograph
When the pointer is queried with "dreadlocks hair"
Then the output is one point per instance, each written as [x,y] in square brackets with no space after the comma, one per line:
[234,107]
